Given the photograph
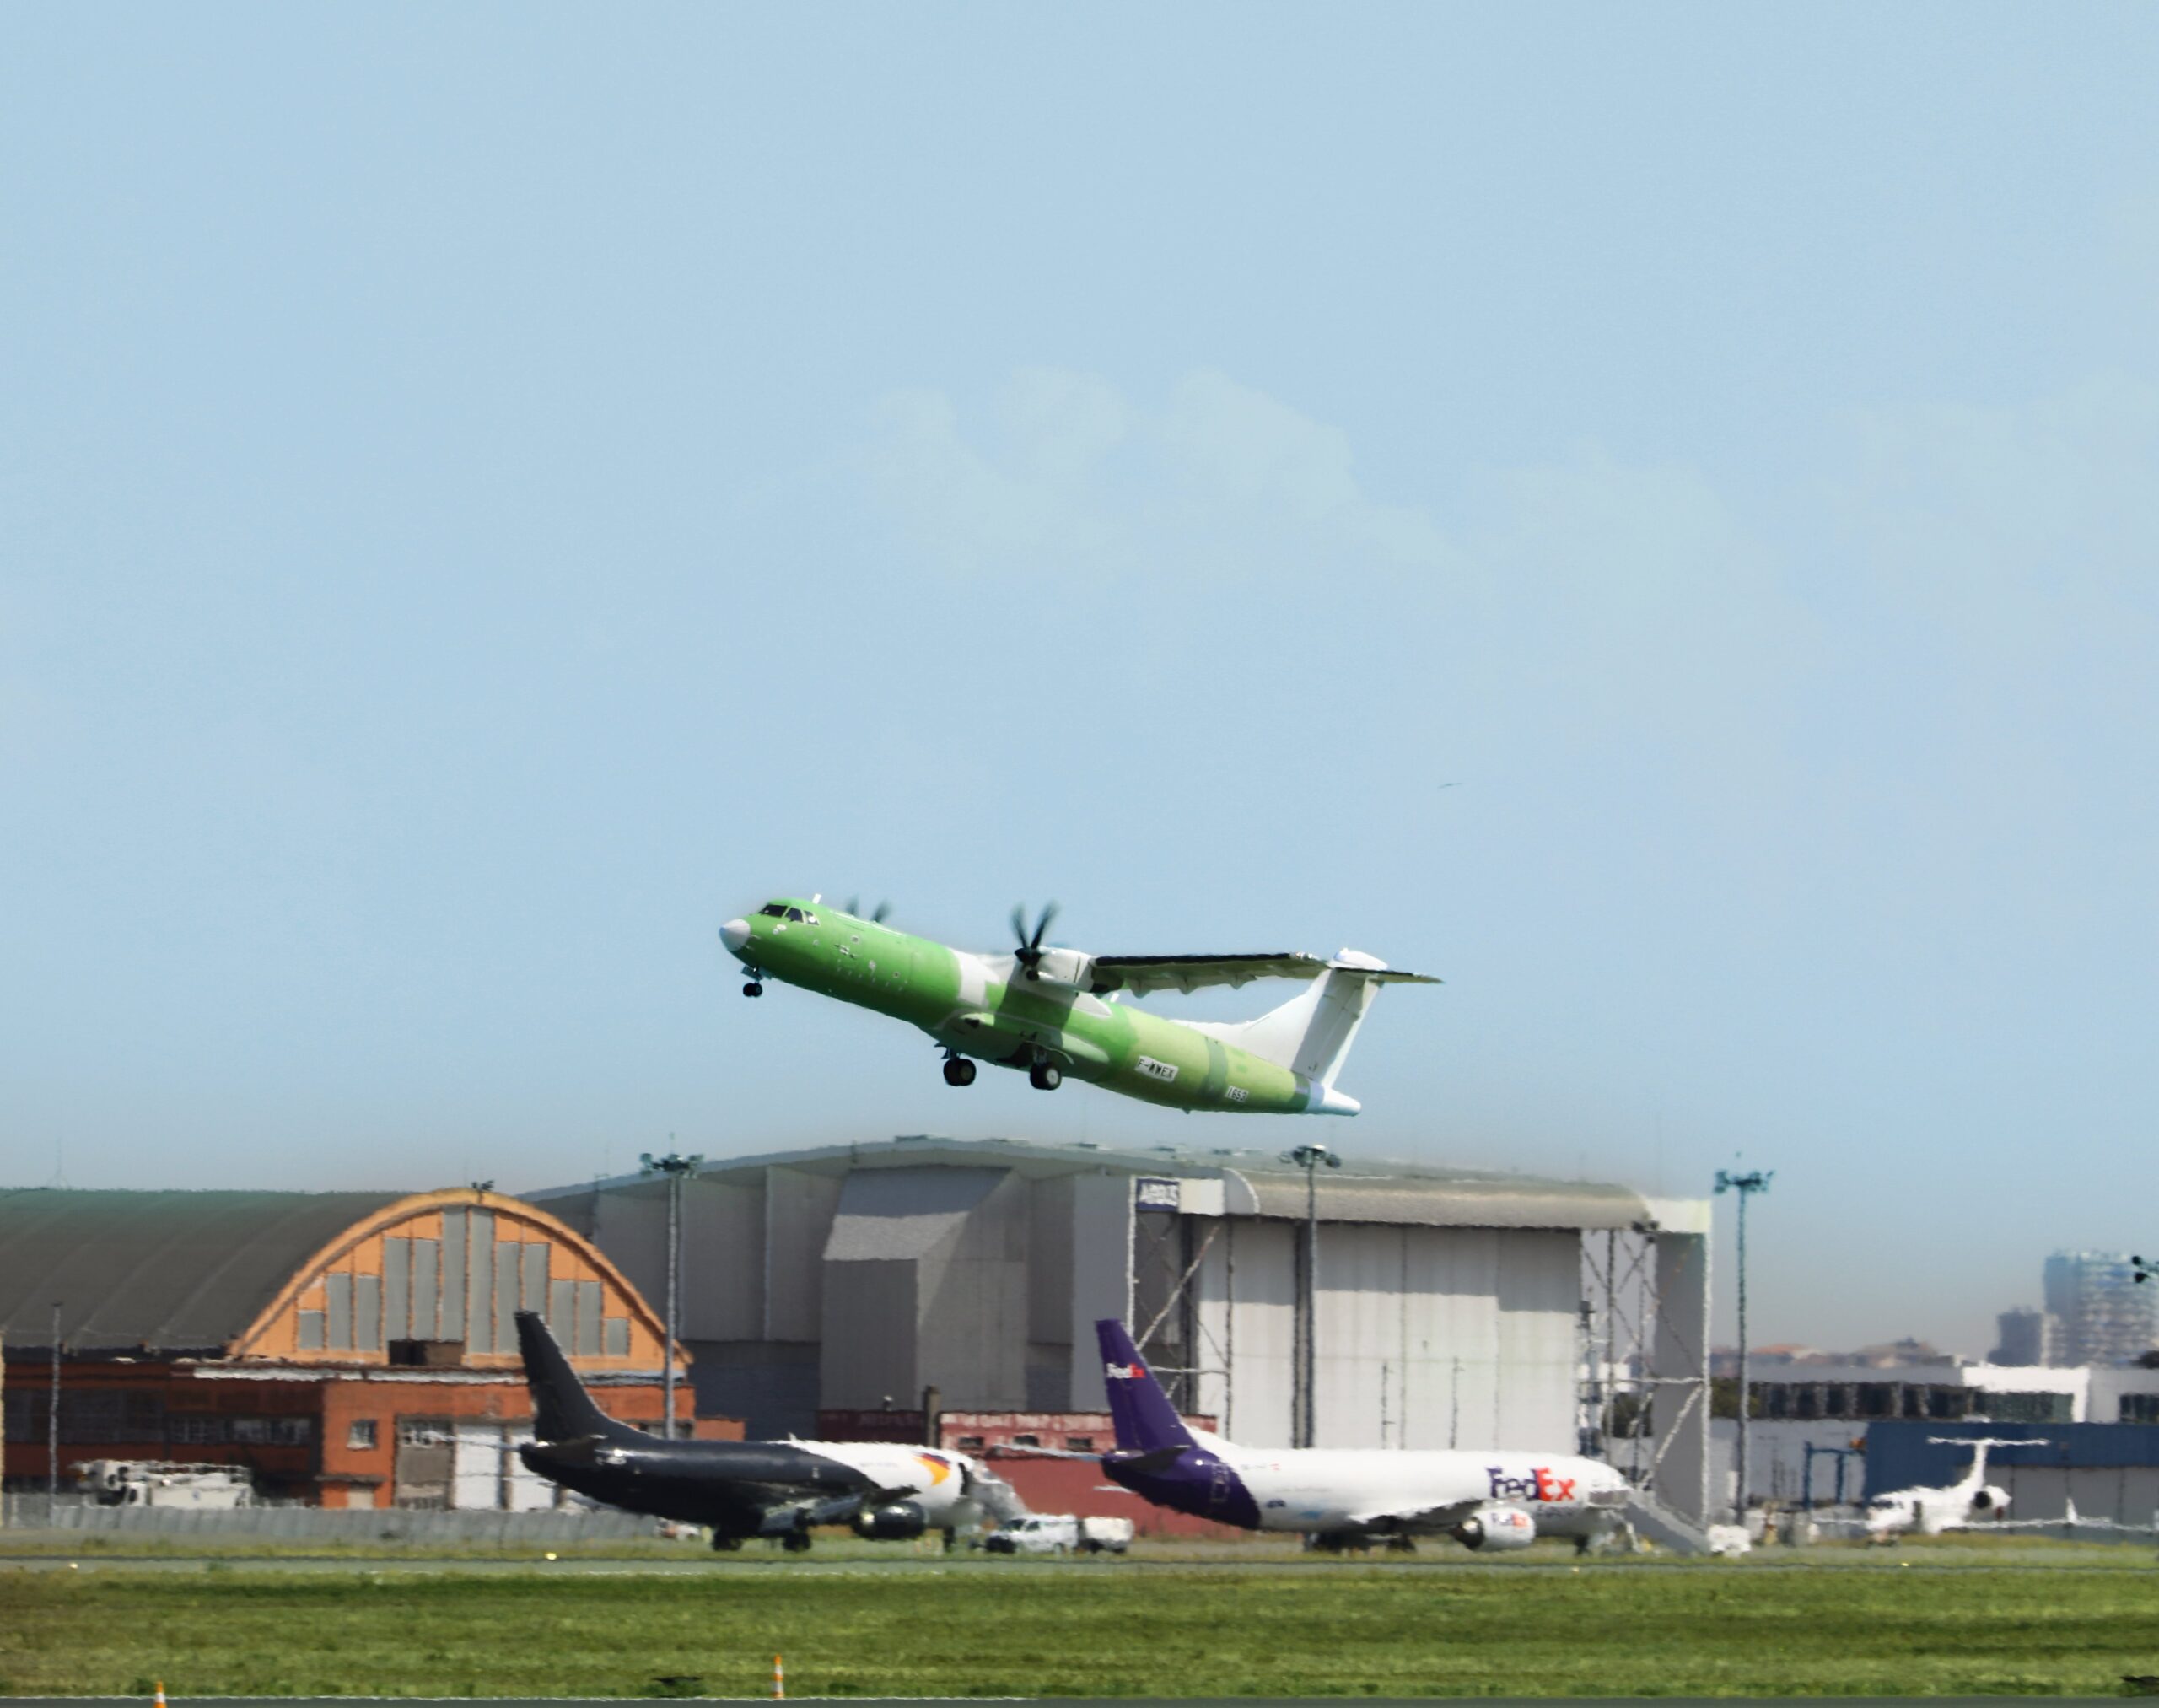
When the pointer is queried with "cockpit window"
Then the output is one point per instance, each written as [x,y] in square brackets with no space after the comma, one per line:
[794,914]
[774,910]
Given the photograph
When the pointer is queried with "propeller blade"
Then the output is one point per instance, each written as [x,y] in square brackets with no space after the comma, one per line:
[883,908]
[1020,927]
[1041,926]
[854,906]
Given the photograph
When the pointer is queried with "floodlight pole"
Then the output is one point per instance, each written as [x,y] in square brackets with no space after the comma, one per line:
[1311,1158]
[1746,1185]
[52,1424]
[676,1166]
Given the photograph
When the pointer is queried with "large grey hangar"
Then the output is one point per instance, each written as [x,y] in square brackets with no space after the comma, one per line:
[1452,1306]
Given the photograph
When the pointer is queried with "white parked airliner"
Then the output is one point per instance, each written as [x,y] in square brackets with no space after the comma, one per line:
[1347,1496]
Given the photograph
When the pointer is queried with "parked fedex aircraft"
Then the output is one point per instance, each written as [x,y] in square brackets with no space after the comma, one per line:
[1345,1496]
[1056,1012]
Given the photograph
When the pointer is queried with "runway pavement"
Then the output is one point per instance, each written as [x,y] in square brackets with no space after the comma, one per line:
[706,1566]
[1099,1701]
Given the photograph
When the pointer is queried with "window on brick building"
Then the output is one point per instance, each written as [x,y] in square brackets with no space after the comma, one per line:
[361,1434]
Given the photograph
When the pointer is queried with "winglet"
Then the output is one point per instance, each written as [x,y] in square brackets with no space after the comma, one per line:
[1146,1422]
[562,1410]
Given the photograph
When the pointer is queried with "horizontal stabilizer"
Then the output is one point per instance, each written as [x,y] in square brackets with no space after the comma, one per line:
[1310,1034]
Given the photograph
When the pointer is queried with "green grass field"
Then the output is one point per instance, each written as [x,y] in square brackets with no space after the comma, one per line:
[1612,1628]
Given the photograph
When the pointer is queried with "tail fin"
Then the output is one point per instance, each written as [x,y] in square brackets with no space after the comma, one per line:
[1310,1034]
[1146,1422]
[561,1410]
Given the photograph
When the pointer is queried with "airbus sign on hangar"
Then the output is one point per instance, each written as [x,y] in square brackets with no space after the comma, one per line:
[1454,1308]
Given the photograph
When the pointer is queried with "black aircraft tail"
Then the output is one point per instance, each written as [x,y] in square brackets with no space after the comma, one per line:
[561,1410]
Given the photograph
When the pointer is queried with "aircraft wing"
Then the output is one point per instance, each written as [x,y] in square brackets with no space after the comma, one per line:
[784,1516]
[2070,1520]
[787,1515]
[1442,1517]
[1141,974]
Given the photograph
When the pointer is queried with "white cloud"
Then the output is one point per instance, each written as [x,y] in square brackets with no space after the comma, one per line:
[2037,525]
[1220,480]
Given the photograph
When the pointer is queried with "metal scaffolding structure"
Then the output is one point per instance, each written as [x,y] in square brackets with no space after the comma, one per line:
[1632,1410]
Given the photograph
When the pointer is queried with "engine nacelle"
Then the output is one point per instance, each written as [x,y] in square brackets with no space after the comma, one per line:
[1990,1502]
[900,1522]
[1496,1529]
[1066,966]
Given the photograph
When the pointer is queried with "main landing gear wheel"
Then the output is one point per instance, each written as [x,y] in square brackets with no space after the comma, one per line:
[1043,1077]
[753,988]
[726,1545]
[796,1541]
[959,1071]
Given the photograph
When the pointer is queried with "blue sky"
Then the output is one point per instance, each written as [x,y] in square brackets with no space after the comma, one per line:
[488,494]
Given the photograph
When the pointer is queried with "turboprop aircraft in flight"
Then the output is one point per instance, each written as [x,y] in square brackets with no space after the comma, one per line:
[1347,1496]
[1055,1011]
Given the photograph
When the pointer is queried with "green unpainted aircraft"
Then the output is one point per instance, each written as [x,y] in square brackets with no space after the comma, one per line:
[1056,1011]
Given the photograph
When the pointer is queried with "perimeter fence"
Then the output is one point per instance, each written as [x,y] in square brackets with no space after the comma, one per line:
[295,1523]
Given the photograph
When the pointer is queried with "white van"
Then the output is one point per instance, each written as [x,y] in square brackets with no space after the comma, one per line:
[1060,1533]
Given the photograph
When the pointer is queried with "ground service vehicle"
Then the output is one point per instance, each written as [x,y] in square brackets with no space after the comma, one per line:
[158,1483]
[1060,1533]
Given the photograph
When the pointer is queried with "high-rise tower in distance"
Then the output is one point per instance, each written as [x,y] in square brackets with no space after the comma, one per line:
[2105,1317]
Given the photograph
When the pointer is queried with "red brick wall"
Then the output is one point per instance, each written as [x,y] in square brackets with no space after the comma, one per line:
[325,1404]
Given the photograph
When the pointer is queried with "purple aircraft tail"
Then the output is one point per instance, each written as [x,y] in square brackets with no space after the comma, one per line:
[1146,1422]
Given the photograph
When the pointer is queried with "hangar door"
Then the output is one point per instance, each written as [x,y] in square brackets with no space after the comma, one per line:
[1426,1337]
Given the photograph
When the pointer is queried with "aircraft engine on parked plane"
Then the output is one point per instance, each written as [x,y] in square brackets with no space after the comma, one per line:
[900,1522]
[1499,1529]
[1991,1500]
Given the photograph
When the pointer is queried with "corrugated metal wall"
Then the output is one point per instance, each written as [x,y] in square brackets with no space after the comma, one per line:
[836,1285]
[1425,1337]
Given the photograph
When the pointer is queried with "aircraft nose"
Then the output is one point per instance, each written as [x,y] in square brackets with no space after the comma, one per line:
[735,933]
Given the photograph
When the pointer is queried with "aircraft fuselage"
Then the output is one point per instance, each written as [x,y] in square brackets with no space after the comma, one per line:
[989,1008]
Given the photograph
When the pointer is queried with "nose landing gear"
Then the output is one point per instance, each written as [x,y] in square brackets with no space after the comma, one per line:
[1044,1076]
[959,1071]
[753,988]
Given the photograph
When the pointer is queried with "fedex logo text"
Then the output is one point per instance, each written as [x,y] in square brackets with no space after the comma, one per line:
[1540,1484]
[1125,1372]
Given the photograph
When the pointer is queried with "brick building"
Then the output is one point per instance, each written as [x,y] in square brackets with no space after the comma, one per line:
[348,1348]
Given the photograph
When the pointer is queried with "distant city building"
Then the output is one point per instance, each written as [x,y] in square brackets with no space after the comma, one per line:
[1887,1354]
[2106,1318]
[2026,1338]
